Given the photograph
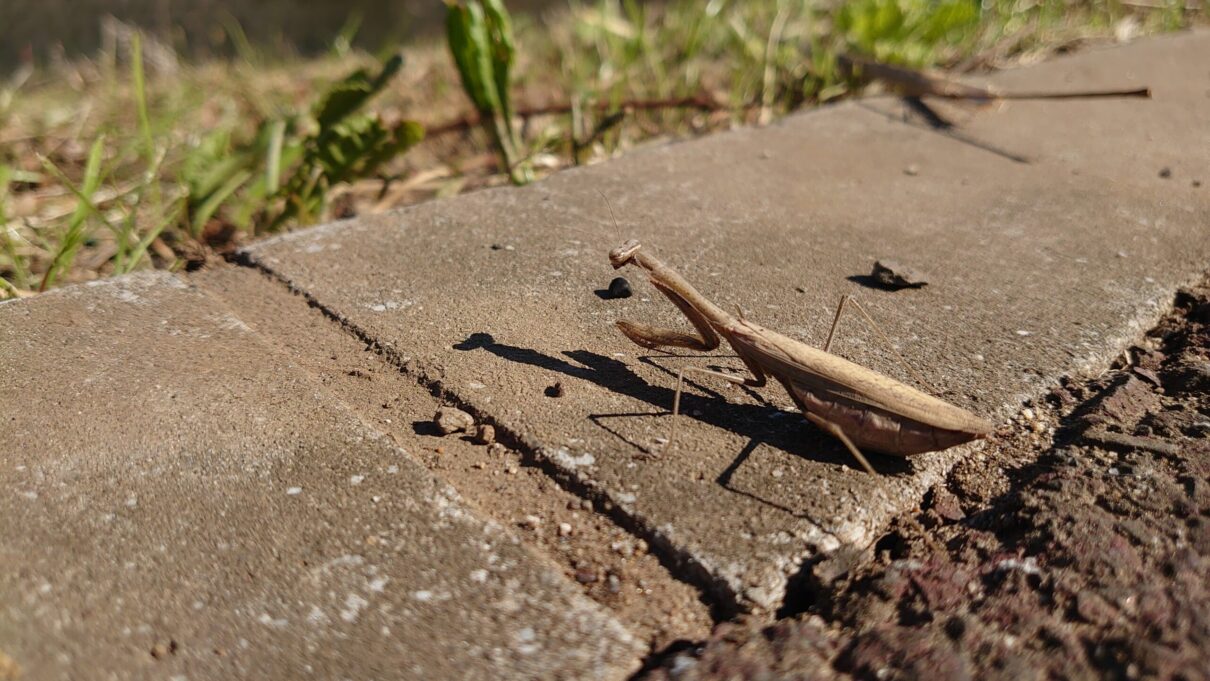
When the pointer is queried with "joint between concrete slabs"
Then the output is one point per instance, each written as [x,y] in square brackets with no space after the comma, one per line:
[722,598]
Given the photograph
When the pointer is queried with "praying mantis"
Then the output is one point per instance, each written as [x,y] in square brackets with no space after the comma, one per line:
[860,407]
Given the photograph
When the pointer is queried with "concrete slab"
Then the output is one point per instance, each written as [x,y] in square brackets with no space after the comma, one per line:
[182,501]
[1039,270]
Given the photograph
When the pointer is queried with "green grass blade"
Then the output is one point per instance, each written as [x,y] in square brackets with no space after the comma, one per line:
[212,203]
[140,95]
[75,234]
[140,250]
[273,157]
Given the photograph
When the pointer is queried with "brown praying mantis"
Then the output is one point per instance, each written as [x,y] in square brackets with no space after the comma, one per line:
[860,407]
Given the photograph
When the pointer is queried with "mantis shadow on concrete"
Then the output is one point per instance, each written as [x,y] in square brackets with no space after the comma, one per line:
[760,423]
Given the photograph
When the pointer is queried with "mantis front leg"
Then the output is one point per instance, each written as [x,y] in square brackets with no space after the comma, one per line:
[705,340]
[654,337]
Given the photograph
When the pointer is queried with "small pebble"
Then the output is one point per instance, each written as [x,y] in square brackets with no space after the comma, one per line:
[531,522]
[1027,414]
[555,390]
[619,288]
[586,575]
[450,420]
[1165,172]
[564,529]
[162,650]
[613,583]
[496,449]
[485,434]
[912,170]
[897,275]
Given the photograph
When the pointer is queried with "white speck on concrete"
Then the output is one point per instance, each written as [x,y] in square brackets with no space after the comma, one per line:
[132,501]
[392,469]
[268,621]
[626,498]
[30,494]
[317,616]
[390,305]
[378,584]
[423,596]
[356,479]
[293,491]
[1023,333]
[354,604]
[564,458]
[475,385]
[479,576]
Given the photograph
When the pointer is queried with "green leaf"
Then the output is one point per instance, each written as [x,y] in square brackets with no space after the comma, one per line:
[350,94]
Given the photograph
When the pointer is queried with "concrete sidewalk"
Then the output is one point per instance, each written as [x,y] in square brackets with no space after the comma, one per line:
[187,493]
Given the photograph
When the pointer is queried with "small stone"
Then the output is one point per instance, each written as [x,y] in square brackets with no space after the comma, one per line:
[1196,183]
[896,275]
[586,575]
[162,650]
[619,288]
[485,434]
[531,522]
[555,390]
[912,170]
[613,583]
[1165,172]
[586,504]
[496,449]
[1027,414]
[564,529]
[623,548]
[450,420]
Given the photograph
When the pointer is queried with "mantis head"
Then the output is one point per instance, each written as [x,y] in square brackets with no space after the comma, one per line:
[623,254]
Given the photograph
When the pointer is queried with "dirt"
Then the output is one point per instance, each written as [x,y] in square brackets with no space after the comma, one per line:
[1076,546]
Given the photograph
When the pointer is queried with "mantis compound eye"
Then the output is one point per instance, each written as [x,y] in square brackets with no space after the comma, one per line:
[624,253]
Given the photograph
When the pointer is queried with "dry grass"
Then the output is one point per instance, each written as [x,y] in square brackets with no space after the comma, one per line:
[753,61]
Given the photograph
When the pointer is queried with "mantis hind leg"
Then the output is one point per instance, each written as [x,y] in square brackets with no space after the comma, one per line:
[845,299]
[836,432]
